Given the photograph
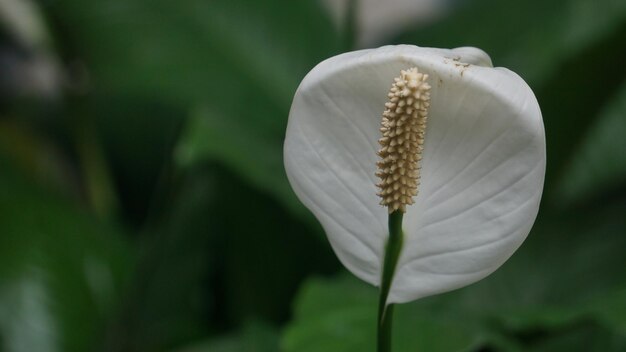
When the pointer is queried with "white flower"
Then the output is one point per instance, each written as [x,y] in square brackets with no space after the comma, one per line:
[482,170]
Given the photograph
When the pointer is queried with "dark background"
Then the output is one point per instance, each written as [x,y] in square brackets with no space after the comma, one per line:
[144,205]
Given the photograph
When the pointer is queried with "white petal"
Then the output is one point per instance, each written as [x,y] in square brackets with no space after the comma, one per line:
[474,56]
[482,172]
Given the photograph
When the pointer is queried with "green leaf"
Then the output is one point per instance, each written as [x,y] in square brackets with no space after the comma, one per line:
[599,163]
[241,59]
[203,263]
[196,49]
[262,252]
[61,271]
[169,297]
[137,137]
[580,337]
[254,337]
[252,153]
[340,315]
[610,310]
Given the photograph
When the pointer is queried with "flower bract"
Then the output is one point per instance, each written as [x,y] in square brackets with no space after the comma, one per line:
[482,165]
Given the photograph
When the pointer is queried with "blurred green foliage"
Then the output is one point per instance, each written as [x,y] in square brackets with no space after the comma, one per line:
[144,206]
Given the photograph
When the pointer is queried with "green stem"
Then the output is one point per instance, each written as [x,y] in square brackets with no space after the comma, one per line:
[392,252]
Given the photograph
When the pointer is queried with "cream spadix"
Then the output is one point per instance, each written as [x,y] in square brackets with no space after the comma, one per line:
[482,164]
[403,128]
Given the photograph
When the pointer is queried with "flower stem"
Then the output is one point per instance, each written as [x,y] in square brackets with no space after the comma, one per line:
[392,252]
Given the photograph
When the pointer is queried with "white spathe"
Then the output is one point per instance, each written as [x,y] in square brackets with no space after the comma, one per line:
[482,172]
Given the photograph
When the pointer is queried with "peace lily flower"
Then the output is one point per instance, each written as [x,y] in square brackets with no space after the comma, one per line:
[440,135]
